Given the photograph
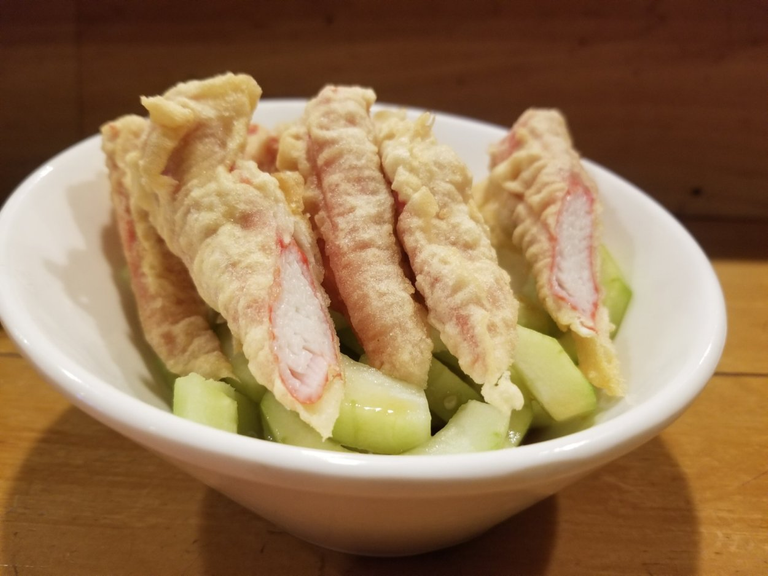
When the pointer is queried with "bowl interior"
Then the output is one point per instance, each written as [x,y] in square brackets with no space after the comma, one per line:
[61,300]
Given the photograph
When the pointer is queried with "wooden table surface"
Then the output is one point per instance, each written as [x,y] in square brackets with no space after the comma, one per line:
[78,499]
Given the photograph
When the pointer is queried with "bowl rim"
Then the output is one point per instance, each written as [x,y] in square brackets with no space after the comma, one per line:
[138,420]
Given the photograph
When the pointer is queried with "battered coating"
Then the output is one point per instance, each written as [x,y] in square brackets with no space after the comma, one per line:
[292,158]
[468,296]
[173,317]
[539,197]
[261,147]
[231,225]
[355,216]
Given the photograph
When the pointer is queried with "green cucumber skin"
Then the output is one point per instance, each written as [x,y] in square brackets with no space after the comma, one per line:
[286,427]
[476,427]
[534,316]
[443,355]
[349,341]
[446,392]
[244,382]
[569,345]
[558,429]
[248,417]
[616,299]
[539,416]
[545,369]
[519,424]
[616,292]
[451,362]
[346,335]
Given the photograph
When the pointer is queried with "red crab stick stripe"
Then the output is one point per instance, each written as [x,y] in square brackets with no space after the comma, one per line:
[356,219]
[231,225]
[540,198]
[172,315]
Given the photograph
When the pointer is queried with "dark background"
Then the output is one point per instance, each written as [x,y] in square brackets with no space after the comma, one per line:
[673,95]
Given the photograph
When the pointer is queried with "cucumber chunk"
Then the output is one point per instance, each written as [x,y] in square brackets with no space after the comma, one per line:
[245,383]
[437,343]
[443,355]
[545,369]
[539,416]
[441,352]
[205,401]
[347,338]
[286,427]
[476,427]
[349,341]
[534,316]
[248,418]
[515,264]
[560,429]
[616,291]
[519,424]
[446,392]
[380,414]
[452,363]
[569,345]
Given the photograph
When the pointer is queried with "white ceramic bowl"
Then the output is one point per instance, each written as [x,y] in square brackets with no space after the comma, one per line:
[60,303]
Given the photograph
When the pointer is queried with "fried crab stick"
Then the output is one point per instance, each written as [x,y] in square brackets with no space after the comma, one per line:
[246,250]
[468,296]
[261,147]
[539,196]
[173,317]
[292,159]
[351,205]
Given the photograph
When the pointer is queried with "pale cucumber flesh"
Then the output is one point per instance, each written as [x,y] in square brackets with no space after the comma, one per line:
[380,414]
[446,392]
[205,401]
[616,292]
[476,427]
[552,378]
[286,427]
[216,404]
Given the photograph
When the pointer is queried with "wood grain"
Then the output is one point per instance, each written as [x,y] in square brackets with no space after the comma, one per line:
[745,284]
[669,93]
[40,110]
